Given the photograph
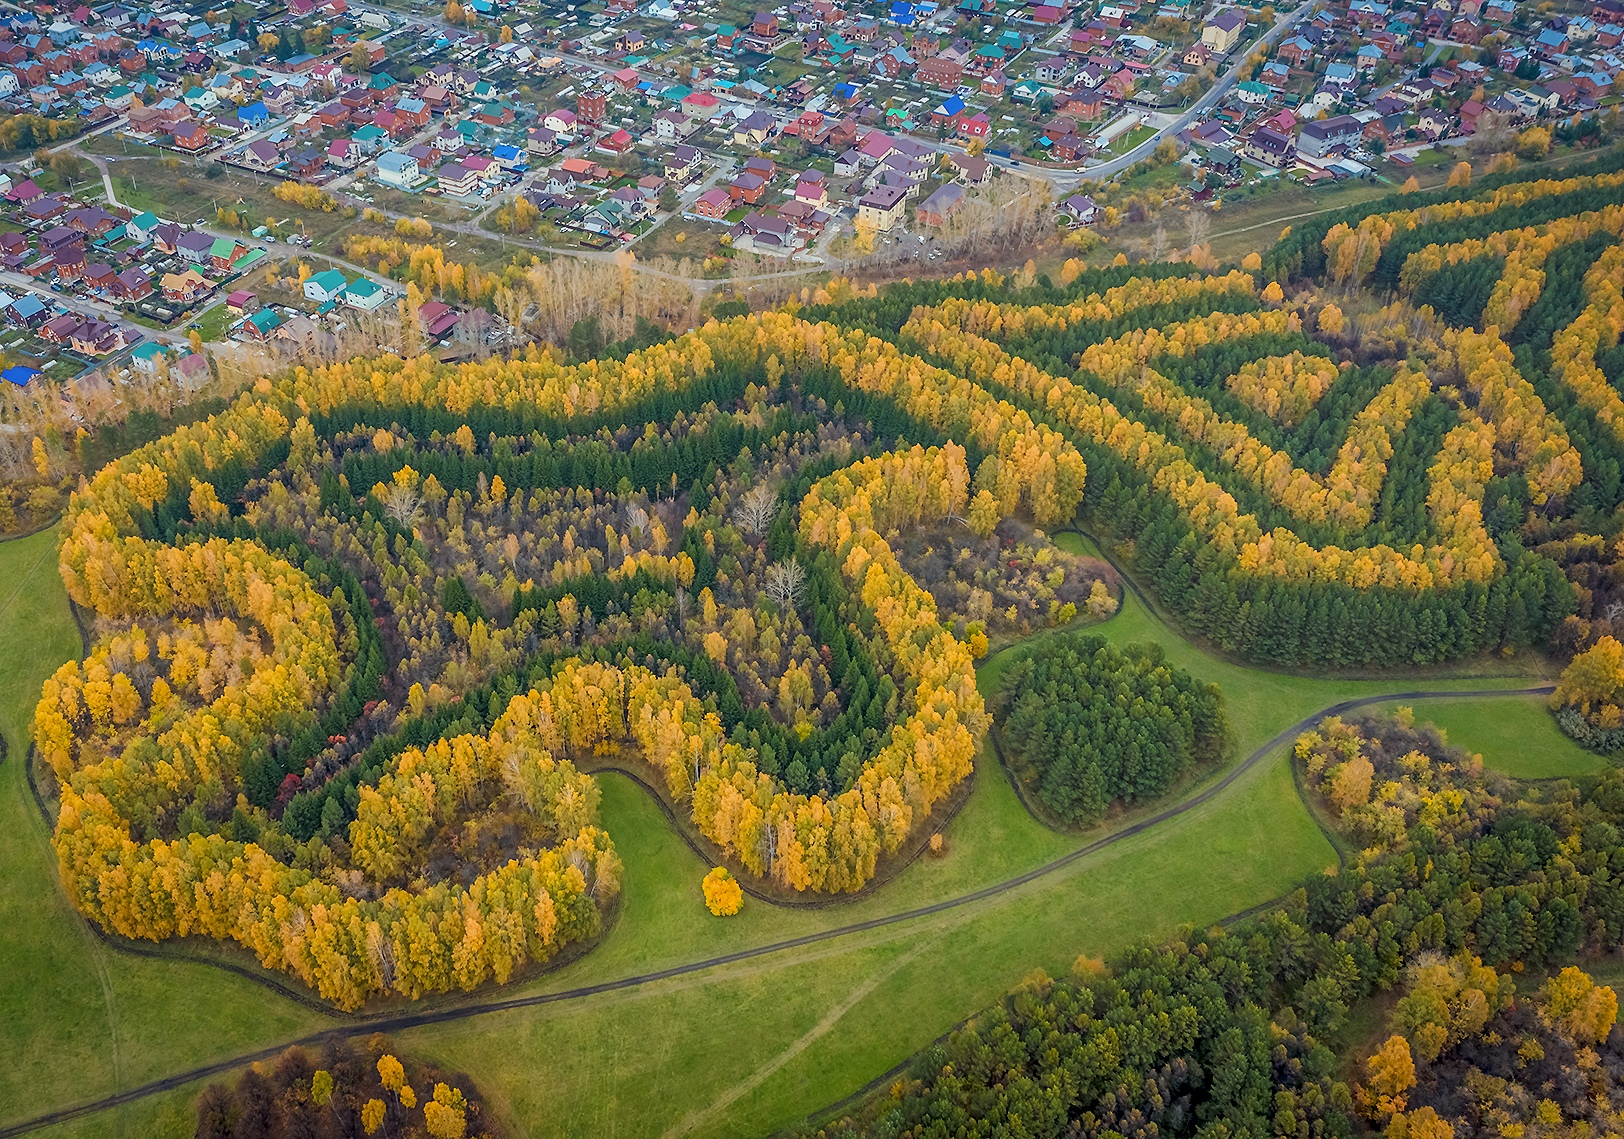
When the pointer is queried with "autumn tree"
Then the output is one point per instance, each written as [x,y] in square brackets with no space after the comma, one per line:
[723,895]
[1389,1074]
[1580,1009]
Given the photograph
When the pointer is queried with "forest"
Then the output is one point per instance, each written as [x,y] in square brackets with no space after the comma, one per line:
[385,655]
[1096,725]
[1227,1031]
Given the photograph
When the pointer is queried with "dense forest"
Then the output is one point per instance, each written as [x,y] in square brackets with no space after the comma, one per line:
[1089,724]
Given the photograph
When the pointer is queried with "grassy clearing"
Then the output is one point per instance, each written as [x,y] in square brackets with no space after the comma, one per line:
[778,1038]
[1515,735]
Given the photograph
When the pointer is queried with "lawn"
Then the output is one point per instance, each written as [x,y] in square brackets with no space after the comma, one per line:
[1515,735]
[739,1049]
[212,324]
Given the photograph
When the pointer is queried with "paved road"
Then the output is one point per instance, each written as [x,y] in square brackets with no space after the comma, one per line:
[1108,170]
[405,1021]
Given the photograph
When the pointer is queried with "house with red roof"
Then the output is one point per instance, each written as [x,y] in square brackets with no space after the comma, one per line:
[617,143]
[713,203]
[977,125]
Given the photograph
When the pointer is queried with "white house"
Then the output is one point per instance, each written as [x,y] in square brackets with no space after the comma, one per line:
[365,294]
[325,286]
[398,170]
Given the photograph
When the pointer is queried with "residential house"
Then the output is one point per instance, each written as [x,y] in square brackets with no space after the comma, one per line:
[190,137]
[398,170]
[940,72]
[97,338]
[972,170]
[1321,137]
[713,203]
[325,286]
[133,284]
[682,163]
[261,155]
[1270,147]
[457,180]
[262,324]
[184,288]
[1080,208]
[882,207]
[195,246]
[1221,33]
[936,209]
[748,188]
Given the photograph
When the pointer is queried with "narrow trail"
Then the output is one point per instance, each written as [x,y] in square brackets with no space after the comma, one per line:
[404,1021]
[825,1024]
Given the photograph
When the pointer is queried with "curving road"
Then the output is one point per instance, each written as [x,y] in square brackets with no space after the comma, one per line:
[404,1021]
[1105,171]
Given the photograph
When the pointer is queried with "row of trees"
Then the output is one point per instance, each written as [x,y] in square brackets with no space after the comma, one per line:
[1279,554]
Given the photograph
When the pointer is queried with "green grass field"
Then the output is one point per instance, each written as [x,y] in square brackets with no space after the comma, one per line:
[1516,736]
[740,1049]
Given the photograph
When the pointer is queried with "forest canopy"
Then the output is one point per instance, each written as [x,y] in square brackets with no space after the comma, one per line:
[1090,724]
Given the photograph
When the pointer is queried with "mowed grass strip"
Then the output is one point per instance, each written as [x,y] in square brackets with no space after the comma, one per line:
[638,1063]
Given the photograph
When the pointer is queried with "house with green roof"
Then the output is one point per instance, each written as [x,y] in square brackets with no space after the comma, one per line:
[142,226]
[370,139]
[325,286]
[224,252]
[262,324]
[1255,94]
[365,294]
[147,357]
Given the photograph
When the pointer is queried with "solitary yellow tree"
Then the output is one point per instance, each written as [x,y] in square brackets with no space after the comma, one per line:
[1461,175]
[723,896]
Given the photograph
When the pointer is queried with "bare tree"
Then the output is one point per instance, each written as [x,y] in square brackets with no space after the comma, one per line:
[756,508]
[1158,244]
[402,503]
[785,582]
[1200,223]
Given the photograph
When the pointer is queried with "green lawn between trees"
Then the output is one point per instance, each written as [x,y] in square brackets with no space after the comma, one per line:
[737,1050]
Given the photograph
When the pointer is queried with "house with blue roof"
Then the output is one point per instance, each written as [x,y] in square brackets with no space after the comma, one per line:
[1340,75]
[902,13]
[28,312]
[20,374]
[1369,57]
[255,114]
